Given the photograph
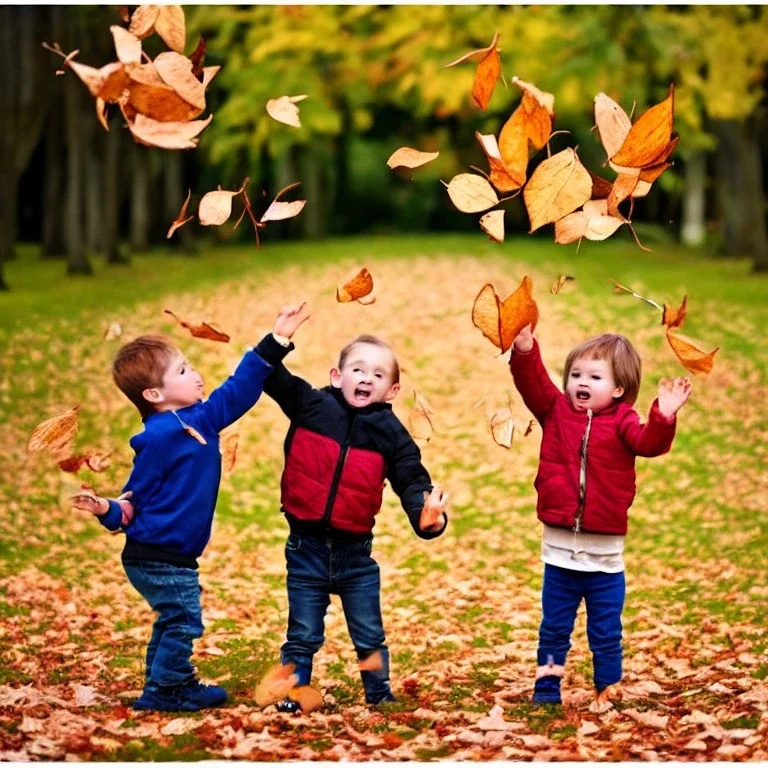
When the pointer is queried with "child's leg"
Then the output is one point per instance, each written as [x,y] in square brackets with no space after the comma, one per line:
[560,598]
[359,587]
[605,601]
[308,563]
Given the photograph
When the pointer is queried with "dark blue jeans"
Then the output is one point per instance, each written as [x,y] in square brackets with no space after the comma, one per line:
[174,594]
[561,596]
[318,568]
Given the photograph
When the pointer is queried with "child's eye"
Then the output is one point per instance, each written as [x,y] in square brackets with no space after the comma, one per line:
[596,377]
[574,375]
[378,376]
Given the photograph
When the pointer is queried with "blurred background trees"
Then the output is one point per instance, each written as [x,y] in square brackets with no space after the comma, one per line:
[376,81]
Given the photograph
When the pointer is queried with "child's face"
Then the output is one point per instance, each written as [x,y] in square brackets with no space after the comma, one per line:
[182,386]
[366,376]
[591,385]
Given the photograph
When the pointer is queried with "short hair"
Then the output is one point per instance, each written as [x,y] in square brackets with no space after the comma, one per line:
[141,364]
[377,342]
[622,356]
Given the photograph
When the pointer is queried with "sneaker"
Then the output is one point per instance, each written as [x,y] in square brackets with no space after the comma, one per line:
[547,690]
[190,697]
[288,705]
[381,698]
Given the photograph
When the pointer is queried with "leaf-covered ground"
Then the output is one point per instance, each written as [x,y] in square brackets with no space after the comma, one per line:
[461,612]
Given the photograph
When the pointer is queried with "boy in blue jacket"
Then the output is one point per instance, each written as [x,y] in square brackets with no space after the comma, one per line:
[173,489]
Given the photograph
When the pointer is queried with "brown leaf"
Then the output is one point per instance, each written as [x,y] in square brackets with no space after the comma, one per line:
[308,697]
[504,179]
[486,75]
[192,432]
[228,448]
[529,428]
[674,318]
[558,186]
[622,188]
[284,110]
[371,663]
[501,321]
[358,284]
[407,157]
[96,462]
[693,358]
[167,135]
[143,21]
[114,331]
[647,142]
[107,83]
[275,684]
[197,57]
[419,418]
[202,331]
[152,97]
[101,113]
[170,25]
[601,187]
[175,70]
[122,12]
[557,286]
[471,193]
[503,427]
[54,434]
[619,288]
[492,224]
[182,218]
[612,123]
[127,45]
[571,228]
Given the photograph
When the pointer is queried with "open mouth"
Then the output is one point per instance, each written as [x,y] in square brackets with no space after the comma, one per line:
[362,394]
[583,396]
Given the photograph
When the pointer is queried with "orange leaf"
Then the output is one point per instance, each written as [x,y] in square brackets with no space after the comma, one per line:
[101,113]
[127,45]
[571,228]
[649,138]
[469,55]
[492,224]
[358,284]
[152,97]
[674,318]
[471,193]
[170,25]
[503,427]
[192,432]
[97,462]
[501,321]
[501,177]
[228,448]
[622,188]
[107,83]
[175,70]
[420,418]
[612,122]
[276,684]
[182,217]
[487,74]
[202,331]
[284,110]
[407,157]
[693,358]
[54,434]
[308,697]
[558,186]
[168,135]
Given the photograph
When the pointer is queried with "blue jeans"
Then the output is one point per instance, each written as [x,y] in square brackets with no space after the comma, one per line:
[318,568]
[174,594]
[561,596]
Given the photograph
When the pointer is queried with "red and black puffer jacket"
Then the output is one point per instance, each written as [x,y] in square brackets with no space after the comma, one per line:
[337,458]
[605,444]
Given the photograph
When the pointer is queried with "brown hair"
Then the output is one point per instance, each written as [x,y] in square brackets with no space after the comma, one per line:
[377,342]
[141,364]
[621,355]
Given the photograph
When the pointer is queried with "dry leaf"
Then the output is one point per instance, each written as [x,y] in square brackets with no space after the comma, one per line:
[114,331]
[182,218]
[693,358]
[619,288]
[143,21]
[228,448]
[471,193]
[357,285]
[612,123]
[674,318]
[151,96]
[175,70]
[54,434]
[571,228]
[601,187]
[107,83]
[101,113]
[503,178]
[419,418]
[601,227]
[309,698]
[192,432]
[170,25]
[559,185]
[503,427]
[208,74]
[493,225]
[278,211]
[529,428]
[284,110]
[127,46]
[197,57]
[167,135]
[276,684]
[96,462]
[372,663]
[216,207]
[486,75]
[407,157]
[501,321]
[557,286]
[202,331]
[622,188]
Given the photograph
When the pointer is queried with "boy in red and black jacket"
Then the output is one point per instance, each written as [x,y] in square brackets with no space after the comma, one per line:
[343,442]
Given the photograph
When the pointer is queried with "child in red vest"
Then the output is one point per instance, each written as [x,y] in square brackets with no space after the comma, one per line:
[585,485]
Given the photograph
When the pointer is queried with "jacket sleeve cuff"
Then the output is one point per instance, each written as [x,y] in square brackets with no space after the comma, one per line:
[113,517]
[656,414]
[271,350]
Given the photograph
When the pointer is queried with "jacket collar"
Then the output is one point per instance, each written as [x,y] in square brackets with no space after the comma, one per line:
[372,408]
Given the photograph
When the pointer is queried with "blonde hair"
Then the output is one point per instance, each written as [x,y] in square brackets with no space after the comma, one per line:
[622,356]
[377,342]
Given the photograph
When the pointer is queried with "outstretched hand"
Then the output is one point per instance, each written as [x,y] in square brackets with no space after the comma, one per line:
[289,318]
[673,395]
[433,512]
[524,340]
[99,506]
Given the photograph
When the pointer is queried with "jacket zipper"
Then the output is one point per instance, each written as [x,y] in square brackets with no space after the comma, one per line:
[583,471]
[337,474]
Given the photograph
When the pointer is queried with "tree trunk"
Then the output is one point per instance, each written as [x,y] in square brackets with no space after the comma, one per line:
[174,195]
[140,198]
[94,187]
[285,173]
[77,259]
[313,218]
[112,196]
[740,188]
[693,230]
[53,187]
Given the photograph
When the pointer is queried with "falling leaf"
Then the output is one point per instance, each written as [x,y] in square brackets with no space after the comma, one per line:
[114,331]
[371,663]
[101,113]
[601,227]
[309,698]
[622,188]
[197,57]
[143,21]
[492,224]
[175,70]
[228,447]
[202,331]
[168,135]
[571,228]
[693,358]
[192,432]
[612,123]
[529,428]
[54,434]
[419,418]
[171,27]
[648,141]
[357,285]
[501,321]
[486,75]
[96,462]
[127,46]
[601,187]
[503,427]
[674,318]
[182,218]
[208,74]
[619,288]
[557,286]
[284,110]
[107,83]
[276,684]
[123,13]
[504,179]
[150,95]
[216,207]
[278,211]
[471,193]
[558,186]
[407,157]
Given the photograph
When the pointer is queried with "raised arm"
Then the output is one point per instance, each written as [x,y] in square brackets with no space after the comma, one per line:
[531,378]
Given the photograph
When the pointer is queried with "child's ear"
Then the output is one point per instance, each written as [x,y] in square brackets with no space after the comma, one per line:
[335,378]
[618,392]
[392,394]
[153,395]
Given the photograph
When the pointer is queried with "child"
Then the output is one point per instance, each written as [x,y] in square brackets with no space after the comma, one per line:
[173,489]
[586,484]
[342,443]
